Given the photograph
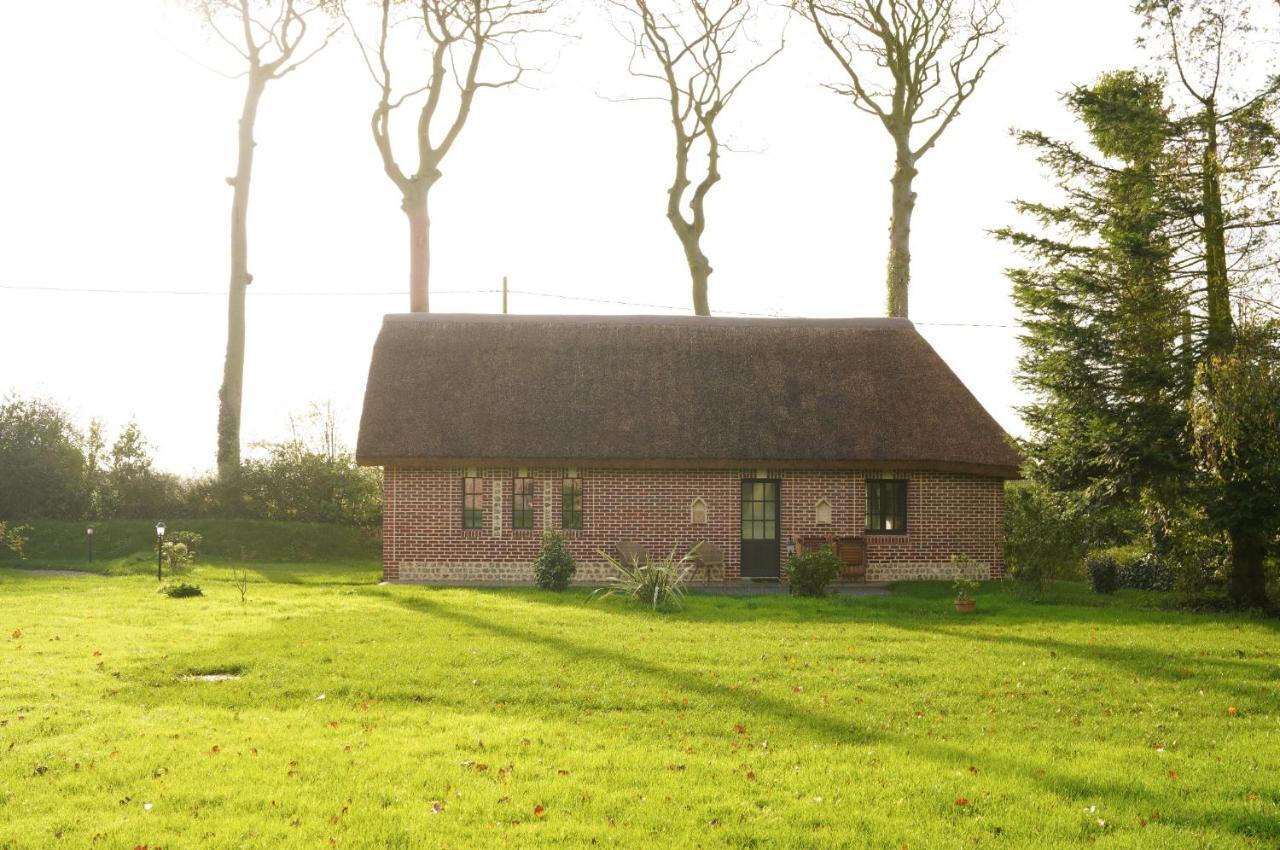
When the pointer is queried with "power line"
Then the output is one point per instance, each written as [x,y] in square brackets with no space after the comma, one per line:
[376,293]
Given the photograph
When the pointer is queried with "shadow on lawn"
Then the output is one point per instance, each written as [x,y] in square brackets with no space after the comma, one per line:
[826,726]
[349,673]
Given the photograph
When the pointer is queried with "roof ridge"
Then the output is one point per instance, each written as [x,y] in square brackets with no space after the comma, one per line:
[646,319]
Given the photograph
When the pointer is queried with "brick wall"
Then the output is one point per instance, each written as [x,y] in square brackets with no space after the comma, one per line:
[423,538]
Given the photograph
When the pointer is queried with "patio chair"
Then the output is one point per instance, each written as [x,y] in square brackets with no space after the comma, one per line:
[706,556]
[631,553]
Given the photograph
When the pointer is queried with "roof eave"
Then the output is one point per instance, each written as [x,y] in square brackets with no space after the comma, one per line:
[989,470]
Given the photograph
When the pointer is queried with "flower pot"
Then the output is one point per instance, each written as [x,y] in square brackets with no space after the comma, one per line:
[966,606]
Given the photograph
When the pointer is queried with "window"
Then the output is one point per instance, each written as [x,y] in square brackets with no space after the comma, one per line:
[887,505]
[571,500]
[522,503]
[698,511]
[472,505]
[822,512]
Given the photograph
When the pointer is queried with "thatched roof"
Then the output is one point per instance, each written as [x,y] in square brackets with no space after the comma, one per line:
[678,392]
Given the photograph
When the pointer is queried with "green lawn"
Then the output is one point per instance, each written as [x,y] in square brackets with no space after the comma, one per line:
[409,717]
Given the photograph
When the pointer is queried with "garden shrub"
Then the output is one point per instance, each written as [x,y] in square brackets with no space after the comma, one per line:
[191,540]
[809,573]
[1047,533]
[554,567]
[175,557]
[181,590]
[1146,573]
[658,582]
[1103,572]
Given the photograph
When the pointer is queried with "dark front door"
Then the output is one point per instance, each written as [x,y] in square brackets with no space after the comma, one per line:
[760,515]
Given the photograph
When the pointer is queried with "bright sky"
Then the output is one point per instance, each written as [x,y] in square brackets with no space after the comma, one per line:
[115,146]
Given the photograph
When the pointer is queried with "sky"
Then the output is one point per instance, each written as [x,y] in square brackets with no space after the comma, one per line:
[115,143]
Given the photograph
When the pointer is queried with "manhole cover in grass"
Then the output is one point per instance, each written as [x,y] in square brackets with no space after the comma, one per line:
[219,674]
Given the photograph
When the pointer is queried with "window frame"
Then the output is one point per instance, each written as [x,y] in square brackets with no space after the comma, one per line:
[472,502]
[522,492]
[876,506]
[571,518]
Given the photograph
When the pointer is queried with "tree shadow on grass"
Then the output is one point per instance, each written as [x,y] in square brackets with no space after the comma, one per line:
[539,639]
[822,725]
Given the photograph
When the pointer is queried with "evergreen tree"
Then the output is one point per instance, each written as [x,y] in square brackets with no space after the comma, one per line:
[1103,351]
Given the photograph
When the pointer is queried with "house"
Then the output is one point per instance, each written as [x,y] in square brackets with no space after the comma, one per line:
[666,431]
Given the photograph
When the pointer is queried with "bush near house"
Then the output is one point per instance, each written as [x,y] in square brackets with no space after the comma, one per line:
[811,573]
[554,567]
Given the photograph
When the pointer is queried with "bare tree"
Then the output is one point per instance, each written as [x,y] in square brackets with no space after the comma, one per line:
[460,35]
[912,64]
[268,37]
[690,49]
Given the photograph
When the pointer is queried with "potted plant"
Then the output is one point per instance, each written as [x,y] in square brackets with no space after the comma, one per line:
[965,585]
[965,588]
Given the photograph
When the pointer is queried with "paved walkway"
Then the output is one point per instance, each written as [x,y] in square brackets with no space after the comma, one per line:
[53,572]
[746,588]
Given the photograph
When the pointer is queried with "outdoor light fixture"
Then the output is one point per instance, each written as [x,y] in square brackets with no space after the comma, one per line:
[89,533]
[159,549]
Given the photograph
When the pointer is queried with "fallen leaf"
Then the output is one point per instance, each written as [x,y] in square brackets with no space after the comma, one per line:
[961,801]
[1232,711]
[539,811]
[97,653]
[1173,774]
[437,806]
[17,633]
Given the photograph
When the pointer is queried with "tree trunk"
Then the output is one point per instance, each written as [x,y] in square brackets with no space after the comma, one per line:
[1219,337]
[414,205]
[232,391]
[1248,586]
[699,267]
[904,204]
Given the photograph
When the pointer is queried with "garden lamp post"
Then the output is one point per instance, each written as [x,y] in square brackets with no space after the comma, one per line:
[159,549]
[89,533]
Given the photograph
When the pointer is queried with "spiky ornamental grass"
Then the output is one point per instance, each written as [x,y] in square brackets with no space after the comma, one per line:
[658,583]
[422,717]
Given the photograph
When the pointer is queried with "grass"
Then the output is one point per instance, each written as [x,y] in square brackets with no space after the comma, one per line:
[368,716]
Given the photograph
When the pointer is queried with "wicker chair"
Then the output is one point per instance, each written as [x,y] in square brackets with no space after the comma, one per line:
[706,556]
[631,553]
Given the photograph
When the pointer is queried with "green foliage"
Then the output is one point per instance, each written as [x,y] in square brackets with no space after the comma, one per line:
[50,470]
[181,590]
[1103,572]
[968,572]
[1047,533]
[175,557]
[191,539]
[42,469]
[1236,427]
[132,488]
[1146,573]
[810,573]
[1103,353]
[554,567]
[659,582]
[310,478]
[13,537]
[129,545]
